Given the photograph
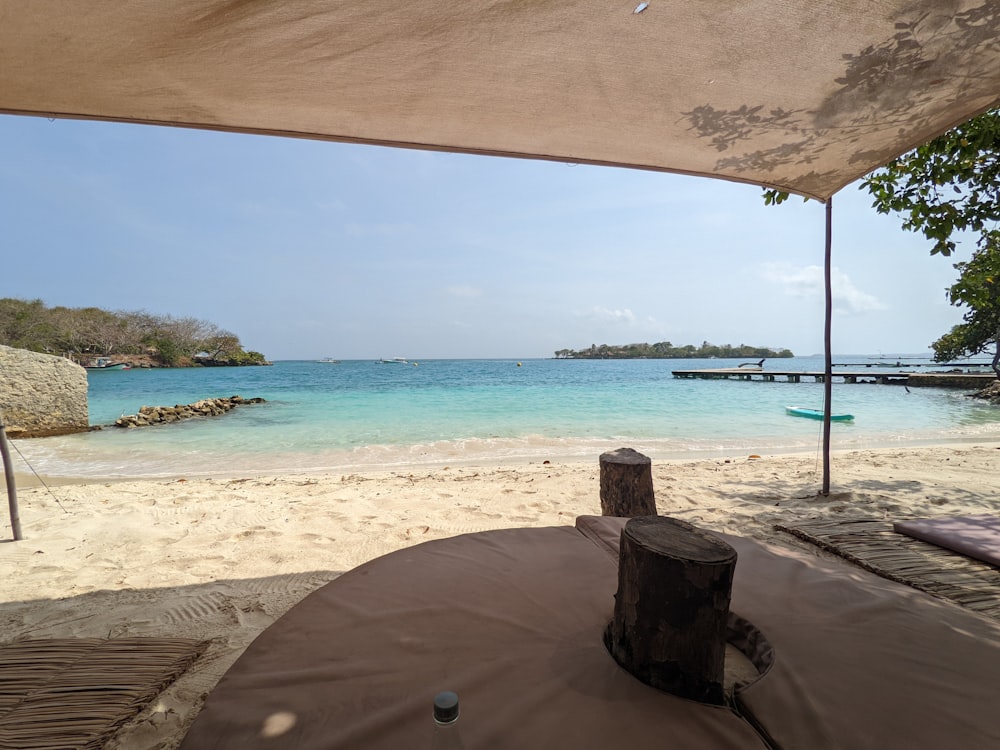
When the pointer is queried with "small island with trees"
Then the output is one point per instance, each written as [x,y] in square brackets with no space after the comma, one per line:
[139,339]
[666,350]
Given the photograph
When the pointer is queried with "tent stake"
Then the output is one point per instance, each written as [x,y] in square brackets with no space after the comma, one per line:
[8,473]
[827,346]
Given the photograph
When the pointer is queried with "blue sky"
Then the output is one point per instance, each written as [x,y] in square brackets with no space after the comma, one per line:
[307,249]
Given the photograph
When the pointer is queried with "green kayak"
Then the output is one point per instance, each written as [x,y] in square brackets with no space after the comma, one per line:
[802,411]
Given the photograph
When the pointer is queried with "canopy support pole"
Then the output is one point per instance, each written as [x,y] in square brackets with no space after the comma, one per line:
[8,473]
[827,346]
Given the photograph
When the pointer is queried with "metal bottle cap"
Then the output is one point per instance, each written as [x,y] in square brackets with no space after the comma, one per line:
[445,707]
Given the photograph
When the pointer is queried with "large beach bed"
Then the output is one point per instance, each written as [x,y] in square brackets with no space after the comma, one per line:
[221,559]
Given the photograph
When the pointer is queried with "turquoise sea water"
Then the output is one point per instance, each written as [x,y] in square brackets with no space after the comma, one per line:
[364,415]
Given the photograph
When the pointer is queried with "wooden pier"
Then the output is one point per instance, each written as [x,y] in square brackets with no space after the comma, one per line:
[947,379]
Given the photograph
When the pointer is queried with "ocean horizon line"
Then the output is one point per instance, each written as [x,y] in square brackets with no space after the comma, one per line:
[928,355]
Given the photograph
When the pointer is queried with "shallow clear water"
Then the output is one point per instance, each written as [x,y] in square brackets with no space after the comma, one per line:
[359,414]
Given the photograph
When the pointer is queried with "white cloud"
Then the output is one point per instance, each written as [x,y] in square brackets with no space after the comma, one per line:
[605,315]
[465,290]
[806,282]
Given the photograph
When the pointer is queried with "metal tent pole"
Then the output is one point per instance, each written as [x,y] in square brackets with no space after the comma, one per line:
[827,346]
[8,473]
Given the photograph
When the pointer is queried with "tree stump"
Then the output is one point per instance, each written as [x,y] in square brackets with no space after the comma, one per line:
[671,610]
[626,484]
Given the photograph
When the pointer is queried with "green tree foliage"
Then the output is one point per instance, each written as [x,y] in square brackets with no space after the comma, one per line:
[84,333]
[666,350]
[23,323]
[166,350]
[942,189]
[949,185]
[977,289]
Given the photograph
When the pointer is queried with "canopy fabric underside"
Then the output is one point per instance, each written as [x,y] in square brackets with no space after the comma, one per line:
[803,96]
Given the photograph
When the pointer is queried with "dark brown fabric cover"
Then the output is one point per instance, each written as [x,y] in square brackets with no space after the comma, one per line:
[512,621]
[859,661]
[973,536]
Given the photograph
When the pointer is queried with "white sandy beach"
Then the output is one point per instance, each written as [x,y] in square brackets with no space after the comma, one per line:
[222,558]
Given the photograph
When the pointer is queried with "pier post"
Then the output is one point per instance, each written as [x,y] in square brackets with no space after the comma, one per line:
[626,484]
[671,609]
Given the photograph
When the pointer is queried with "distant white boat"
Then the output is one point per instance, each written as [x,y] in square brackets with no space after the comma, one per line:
[329,361]
[393,361]
[103,363]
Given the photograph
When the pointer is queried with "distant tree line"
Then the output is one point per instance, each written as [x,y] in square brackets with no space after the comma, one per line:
[84,333]
[666,350]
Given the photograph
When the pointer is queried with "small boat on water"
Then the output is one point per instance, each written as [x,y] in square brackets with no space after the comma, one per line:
[393,361]
[103,363]
[329,361]
[802,411]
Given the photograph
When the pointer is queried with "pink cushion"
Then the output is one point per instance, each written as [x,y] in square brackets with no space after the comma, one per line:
[973,536]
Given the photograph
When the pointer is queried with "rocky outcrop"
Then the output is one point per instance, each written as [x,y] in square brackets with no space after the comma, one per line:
[207,407]
[41,395]
[990,393]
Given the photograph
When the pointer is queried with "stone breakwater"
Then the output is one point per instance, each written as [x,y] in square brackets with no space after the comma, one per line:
[207,407]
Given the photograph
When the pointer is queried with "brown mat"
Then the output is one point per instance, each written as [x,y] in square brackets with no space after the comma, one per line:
[876,547]
[76,692]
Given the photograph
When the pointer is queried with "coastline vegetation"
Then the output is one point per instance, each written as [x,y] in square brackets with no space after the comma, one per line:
[666,350]
[139,338]
[948,189]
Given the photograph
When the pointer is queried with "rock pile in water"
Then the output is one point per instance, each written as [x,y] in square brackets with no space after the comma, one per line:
[207,407]
[990,393]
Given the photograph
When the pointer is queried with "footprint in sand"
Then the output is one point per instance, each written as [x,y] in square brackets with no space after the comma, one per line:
[257,531]
[317,538]
[251,614]
[202,606]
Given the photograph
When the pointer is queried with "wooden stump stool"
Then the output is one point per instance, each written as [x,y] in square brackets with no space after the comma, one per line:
[626,484]
[672,606]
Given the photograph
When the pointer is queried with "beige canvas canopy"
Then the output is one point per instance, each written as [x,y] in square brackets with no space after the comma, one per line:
[804,96]
[800,95]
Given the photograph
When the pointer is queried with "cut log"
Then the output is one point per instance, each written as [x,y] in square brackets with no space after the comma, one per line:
[626,484]
[671,610]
